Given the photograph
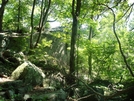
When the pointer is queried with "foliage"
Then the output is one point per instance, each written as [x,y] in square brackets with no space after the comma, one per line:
[40,53]
[17,44]
[11,15]
[109,22]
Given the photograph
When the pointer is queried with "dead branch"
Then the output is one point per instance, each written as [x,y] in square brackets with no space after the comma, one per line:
[117,93]
[120,92]
[85,97]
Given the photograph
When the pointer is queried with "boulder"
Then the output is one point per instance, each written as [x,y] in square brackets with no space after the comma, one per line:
[29,74]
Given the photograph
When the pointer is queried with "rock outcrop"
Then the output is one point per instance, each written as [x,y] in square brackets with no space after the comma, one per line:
[29,74]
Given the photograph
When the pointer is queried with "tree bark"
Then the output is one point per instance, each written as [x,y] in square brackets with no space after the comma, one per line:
[73,42]
[32,26]
[75,14]
[90,54]
[43,18]
[19,11]
[2,8]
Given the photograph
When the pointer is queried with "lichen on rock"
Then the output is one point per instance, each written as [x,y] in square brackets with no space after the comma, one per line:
[29,74]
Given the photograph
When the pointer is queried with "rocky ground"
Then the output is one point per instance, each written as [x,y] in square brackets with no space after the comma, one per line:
[19,89]
[24,81]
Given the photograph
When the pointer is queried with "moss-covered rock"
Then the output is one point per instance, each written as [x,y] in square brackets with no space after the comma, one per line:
[29,74]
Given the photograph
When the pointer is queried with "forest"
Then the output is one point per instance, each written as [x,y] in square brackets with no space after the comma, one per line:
[66,50]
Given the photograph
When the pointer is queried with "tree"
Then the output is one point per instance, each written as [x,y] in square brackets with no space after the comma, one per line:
[90,54]
[76,5]
[45,7]
[119,43]
[32,26]
[44,12]
[2,8]
[19,12]
[17,17]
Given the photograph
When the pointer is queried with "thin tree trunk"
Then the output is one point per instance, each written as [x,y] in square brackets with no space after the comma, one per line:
[1,20]
[32,26]
[73,42]
[43,18]
[18,26]
[2,8]
[90,54]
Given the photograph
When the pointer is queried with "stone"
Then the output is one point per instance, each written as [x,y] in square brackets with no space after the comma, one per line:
[29,74]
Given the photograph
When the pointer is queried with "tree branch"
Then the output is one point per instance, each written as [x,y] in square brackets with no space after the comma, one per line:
[117,93]
[44,16]
[125,13]
[119,43]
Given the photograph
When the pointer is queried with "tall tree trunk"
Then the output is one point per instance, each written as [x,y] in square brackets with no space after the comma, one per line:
[73,42]
[90,54]
[32,26]
[75,14]
[2,8]
[18,26]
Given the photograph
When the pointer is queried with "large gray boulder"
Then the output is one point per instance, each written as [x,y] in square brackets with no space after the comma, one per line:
[29,74]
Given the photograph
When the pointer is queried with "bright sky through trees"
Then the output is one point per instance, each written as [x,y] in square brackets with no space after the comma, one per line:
[54,24]
[130,1]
